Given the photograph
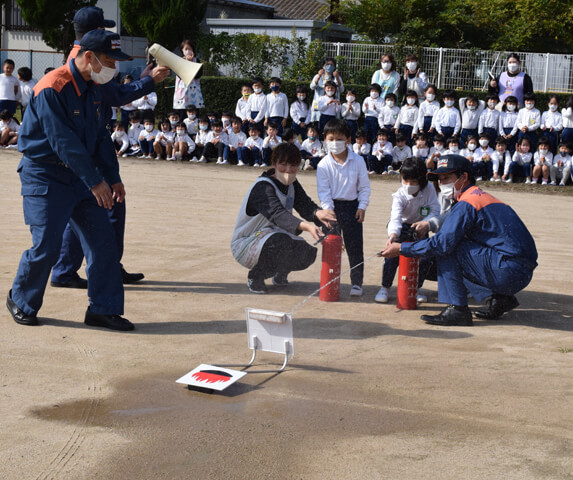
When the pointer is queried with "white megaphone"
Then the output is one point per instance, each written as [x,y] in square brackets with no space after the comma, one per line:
[184,69]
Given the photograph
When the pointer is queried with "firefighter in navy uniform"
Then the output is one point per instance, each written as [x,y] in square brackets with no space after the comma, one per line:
[69,172]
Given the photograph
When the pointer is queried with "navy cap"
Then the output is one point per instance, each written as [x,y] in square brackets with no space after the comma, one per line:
[450,164]
[103,41]
[90,18]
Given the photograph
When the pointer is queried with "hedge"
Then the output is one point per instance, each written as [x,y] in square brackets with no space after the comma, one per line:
[220,94]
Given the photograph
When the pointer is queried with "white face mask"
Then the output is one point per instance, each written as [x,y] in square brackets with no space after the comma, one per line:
[448,103]
[149,128]
[180,132]
[450,190]
[336,147]
[301,97]
[410,101]
[543,151]
[472,147]
[257,90]
[284,177]
[390,103]
[329,93]
[255,137]
[454,148]
[191,116]
[513,67]
[491,105]
[135,124]
[553,107]
[350,99]
[471,107]
[226,121]
[188,52]
[510,107]
[410,190]
[484,143]
[412,66]
[104,75]
[386,66]
[374,95]
[529,105]
[430,97]
[438,147]
[423,151]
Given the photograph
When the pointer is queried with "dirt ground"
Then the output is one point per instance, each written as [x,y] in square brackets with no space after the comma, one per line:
[371,393]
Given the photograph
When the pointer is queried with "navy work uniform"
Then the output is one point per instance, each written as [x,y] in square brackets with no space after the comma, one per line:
[71,255]
[67,152]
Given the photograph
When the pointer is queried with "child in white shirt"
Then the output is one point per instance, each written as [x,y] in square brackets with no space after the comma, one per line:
[328,105]
[520,162]
[381,157]
[300,112]
[415,201]
[237,138]
[242,109]
[470,108]
[146,138]
[372,108]
[252,152]
[362,147]
[343,186]
[507,120]
[421,149]
[399,153]
[201,138]
[453,146]
[277,106]
[217,140]
[164,140]
[542,162]
[499,158]
[471,147]
[9,88]
[428,108]
[191,122]
[146,104]
[528,121]
[226,121]
[9,128]
[312,149]
[447,120]
[489,119]
[257,104]
[270,143]
[388,116]
[135,128]
[552,122]
[482,165]
[408,116]
[120,139]
[436,151]
[561,168]
[26,86]
[351,111]
[567,115]
[183,145]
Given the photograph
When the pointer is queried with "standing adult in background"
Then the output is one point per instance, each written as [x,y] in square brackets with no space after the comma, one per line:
[512,82]
[67,168]
[185,96]
[387,77]
[327,73]
[413,79]
[65,272]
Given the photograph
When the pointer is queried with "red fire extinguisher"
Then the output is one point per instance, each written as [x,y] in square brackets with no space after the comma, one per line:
[407,283]
[331,257]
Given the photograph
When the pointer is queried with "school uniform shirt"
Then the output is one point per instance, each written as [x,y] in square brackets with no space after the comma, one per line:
[498,159]
[326,108]
[121,137]
[237,139]
[372,107]
[202,137]
[147,102]
[222,136]
[422,152]
[11,124]
[165,138]
[417,82]
[133,133]
[347,181]
[410,209]
[507,120]
[567,117]
[277,105]
[470,118]
[272,143]
[408,116]
[315,147]
[452,152]
[252,143]
[379,150]
[299,112]
[351,112]
[26,91]
[7,84]
[427,109]
[242,109]
[480,153]
[401,154]
[258,103]
[186,139]
[489,118]
[548,158]
[551,119]
[527,118]
[145,135]
[560,161]
[192,126]
[522,158]
[363,149]
[447,117]
[469,154]
[388,115]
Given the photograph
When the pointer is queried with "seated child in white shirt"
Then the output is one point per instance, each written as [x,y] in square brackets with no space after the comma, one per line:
[163,144]
[237,138]
[436,151]
[381,157]
[120,139]
[9,128]
[183,145]
[270,142]
[362,147]
[312,149]
[499,158]
[542,161]
[399,153]
[252,152]
[561,165]
[147,137]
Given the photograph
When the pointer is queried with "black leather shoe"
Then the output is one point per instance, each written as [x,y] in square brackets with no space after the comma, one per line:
[451,316]
[76,282]
[497,305]
[18,315]
[113,322]
[128,278]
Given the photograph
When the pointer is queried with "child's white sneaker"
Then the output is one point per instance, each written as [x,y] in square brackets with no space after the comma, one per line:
[170,159]
[219,160]
[263,165]
[356,291]
[124,155]
[421,298]
[203,159]
[240,163]
[553,184]
[382,295]
[508,180]
[479,179]
[528,182]
[177,156]
[543,182]
[307,164]
[224,162]
[194,160]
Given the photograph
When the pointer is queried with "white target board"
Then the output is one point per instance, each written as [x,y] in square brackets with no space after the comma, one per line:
[270,331]
[211,377]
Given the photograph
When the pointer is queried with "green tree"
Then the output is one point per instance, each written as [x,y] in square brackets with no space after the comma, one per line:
[53,19]
[166,22]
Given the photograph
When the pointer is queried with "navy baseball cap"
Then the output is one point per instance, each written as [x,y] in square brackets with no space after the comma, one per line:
[103,41]
[449,164]
[90,18]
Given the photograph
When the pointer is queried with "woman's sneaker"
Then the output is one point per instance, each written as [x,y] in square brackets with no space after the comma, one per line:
[382,295]
[257,285]
[280,279]
[356,291]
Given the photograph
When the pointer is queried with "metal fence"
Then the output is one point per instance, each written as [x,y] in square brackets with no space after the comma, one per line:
[450,68]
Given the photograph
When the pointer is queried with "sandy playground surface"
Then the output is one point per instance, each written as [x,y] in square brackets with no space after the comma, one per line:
[372,392]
